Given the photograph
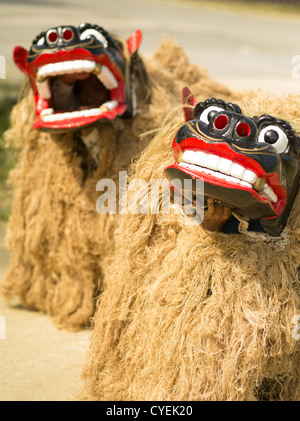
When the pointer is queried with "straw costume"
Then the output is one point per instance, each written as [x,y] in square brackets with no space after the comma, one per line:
[197,314]
[78,120]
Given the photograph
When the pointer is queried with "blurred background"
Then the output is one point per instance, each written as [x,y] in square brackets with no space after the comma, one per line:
[243,44]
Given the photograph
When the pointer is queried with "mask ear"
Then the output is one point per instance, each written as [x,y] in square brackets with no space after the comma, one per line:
[187,98]
[134,41]
[20,57]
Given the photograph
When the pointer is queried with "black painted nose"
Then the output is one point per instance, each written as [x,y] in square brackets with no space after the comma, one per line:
[233,126]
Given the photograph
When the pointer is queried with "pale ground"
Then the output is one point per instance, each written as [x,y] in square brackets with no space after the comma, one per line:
[37,361]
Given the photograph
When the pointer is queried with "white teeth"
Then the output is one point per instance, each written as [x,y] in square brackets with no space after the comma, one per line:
[47,111]
[44,89]
[224,169]
[66,116]
[77,66]
[269,194]
[225,166]
[250,176]
[194,157]
[68,67]
[59,68]
[48,115]
[237,171]
[108,105]
[212,162]
[107,78]
[46,70]
[216,174]
[88,65]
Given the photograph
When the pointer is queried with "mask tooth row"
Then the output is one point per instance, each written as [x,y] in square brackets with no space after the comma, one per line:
[48,114]
[63,67]
[217,163]
[222,166]
[67,67]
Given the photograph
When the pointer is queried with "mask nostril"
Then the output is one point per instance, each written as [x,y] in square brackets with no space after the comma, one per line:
[52,37]
[221,122]
[68,34]
[243,129]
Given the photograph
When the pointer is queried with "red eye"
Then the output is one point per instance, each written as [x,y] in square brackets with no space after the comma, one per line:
[52,37]
[221,122]
[243,129]
[68,34]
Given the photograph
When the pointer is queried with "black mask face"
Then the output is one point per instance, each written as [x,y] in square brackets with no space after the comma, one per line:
[79,76]
[250,164]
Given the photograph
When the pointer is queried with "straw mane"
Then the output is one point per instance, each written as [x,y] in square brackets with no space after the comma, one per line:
[189,315]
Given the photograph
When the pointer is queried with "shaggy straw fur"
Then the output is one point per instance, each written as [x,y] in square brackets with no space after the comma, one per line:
[192,315]
[57,240]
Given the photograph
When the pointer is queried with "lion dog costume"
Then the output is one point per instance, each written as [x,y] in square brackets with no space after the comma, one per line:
[78,121]
[192,314]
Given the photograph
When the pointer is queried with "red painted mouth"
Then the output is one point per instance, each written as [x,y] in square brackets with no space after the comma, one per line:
[75,89]
[237,172]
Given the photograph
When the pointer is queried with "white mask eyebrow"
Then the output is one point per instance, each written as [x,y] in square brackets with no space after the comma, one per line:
[41,41]
[90,32]
[204,115]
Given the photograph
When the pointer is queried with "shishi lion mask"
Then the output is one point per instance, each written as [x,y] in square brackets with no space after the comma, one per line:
[79,76]
[250,164]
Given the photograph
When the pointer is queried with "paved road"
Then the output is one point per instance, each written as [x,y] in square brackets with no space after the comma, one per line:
[37,361]
[243,49]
